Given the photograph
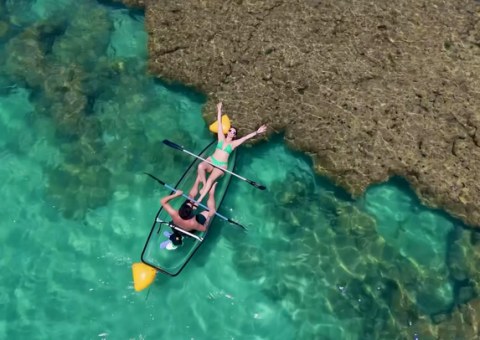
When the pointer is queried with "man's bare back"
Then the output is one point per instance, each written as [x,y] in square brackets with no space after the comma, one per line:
[184,217]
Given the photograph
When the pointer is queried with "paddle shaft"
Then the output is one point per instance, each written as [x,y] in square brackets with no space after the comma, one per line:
[191,199]
[190,153]
[206,208]
[178,147]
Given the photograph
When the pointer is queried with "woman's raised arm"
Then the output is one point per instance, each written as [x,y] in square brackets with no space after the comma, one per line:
[239,142]
[220,134]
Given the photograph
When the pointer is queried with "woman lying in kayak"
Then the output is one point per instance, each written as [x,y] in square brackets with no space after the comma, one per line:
[225,146]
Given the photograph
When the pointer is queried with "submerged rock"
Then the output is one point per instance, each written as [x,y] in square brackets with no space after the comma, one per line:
[92,100]
[364,100]
[3,28]
[334,263]
[464,263]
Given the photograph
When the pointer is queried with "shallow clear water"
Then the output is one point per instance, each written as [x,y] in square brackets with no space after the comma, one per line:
[80,121]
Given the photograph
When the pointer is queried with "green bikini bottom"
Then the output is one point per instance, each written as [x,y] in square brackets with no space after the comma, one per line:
[217,162]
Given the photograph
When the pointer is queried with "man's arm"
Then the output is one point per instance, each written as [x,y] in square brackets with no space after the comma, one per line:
[164,202]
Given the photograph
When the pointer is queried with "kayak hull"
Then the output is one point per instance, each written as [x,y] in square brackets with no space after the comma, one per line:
[159,252]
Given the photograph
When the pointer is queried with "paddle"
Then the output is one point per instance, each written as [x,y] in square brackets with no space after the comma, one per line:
[191,199]
[178,147]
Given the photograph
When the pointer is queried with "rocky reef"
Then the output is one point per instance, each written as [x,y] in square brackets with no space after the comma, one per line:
[369,89]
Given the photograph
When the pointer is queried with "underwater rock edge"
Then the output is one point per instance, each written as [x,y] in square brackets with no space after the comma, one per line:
[369,91]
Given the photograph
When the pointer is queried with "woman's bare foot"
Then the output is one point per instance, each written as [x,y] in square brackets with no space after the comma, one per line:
[194,205]
[210,192]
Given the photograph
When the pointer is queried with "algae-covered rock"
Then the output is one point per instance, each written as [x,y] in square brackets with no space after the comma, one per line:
[460,324]
[421,329]
[366,102]
[338,264]
[23,54]
[63,61]
[464,263]
[85,38]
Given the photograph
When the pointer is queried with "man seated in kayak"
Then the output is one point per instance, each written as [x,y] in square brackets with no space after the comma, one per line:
[225,146]
[184,217]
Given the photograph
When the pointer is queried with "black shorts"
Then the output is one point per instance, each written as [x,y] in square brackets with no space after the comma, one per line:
[200,218]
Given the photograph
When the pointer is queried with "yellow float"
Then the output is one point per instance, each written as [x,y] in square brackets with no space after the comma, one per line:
[143,276]
[225,125]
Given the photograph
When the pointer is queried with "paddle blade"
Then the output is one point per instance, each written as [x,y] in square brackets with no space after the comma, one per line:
[172,145]
[155,178]
[241,226]
[256,185]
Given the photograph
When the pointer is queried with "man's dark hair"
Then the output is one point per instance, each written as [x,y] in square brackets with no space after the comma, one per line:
[185,210]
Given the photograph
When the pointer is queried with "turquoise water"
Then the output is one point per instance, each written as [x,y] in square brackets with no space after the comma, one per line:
[80,121]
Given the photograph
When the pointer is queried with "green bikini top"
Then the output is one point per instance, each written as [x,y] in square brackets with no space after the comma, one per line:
[228,149]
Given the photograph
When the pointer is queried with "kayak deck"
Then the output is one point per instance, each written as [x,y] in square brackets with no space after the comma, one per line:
[159,252]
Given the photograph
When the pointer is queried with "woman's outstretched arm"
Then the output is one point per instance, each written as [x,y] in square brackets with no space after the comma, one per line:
[239,142]
[220,134]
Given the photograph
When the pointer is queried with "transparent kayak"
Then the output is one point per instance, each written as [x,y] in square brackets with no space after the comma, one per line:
[159,252]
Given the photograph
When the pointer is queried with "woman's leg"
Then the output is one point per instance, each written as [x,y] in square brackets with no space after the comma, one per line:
[216,173]
[210,204]
[194,190]
[204,167]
